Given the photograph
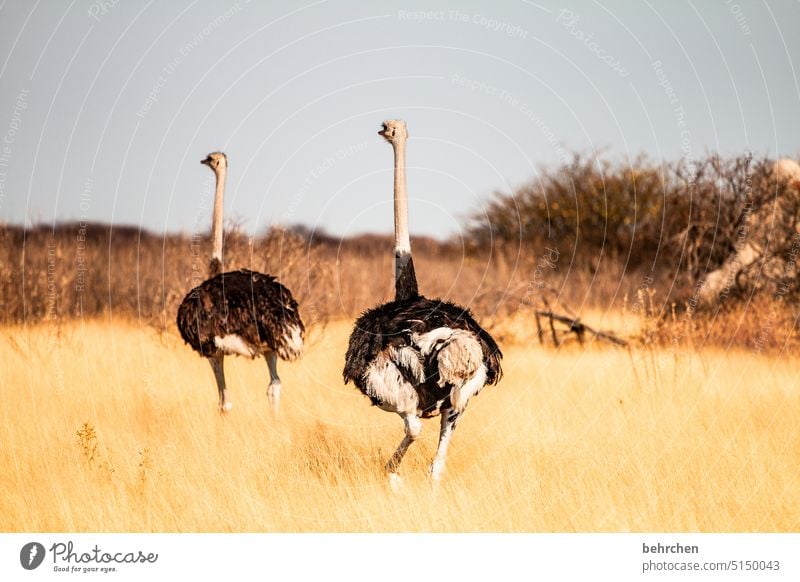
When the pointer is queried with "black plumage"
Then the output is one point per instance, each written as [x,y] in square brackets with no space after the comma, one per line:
[248,304]
[405,276]
[394,325]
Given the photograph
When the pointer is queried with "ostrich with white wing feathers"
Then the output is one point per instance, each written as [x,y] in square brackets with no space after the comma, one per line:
[414,356]
[242,313]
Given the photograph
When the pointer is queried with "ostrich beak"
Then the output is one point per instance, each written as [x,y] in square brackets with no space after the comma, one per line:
[383,130]
[207,161]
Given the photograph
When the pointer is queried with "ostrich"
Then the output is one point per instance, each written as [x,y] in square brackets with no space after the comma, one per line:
[241,313]
[415,356]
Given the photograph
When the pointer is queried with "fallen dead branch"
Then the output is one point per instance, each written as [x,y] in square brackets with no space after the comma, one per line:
[573,325]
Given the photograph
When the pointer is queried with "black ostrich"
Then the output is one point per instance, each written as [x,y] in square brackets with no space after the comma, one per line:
[241,313]
[415,356]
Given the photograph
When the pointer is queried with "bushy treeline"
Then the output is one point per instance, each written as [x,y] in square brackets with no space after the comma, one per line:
[671,221]
[595,233]
[74,270]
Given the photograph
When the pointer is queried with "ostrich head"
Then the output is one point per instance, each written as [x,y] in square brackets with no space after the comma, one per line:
[216,161]
[394,130]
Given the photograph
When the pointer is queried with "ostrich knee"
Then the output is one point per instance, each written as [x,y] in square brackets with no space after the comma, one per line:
[413,427]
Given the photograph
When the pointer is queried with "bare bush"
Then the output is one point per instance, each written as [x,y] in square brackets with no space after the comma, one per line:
[670,223]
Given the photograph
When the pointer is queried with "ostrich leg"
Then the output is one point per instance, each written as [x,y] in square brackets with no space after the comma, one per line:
[413,427]
[216,362]
[449,418]
[274,389]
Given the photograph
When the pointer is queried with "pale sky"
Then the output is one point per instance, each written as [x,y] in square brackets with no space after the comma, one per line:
[107,107]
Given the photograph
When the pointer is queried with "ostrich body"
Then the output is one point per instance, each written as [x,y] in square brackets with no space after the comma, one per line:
[415,356]
[242,313]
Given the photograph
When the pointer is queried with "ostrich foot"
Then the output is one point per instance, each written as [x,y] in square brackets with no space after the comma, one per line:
[226,407]
[437,469]
[395,482]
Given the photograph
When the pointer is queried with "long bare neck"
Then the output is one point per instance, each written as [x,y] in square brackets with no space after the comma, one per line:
[215,265]
[405,279]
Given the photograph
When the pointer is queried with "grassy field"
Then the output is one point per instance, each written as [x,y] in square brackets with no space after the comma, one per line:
[110,426]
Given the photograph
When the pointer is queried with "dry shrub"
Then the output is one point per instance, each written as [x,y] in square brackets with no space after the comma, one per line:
[763,325]
[672,222]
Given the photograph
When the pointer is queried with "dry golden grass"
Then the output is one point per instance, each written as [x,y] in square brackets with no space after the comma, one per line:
[112,427]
